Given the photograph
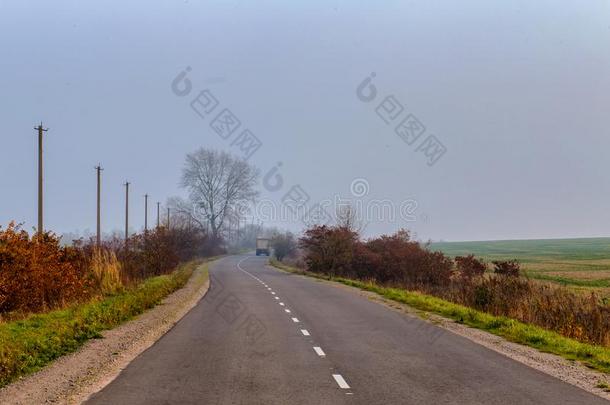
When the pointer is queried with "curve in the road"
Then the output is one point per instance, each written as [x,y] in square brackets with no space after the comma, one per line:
[337,377]
[318,344]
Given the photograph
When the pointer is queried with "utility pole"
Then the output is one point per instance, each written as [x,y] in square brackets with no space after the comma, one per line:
[168,218]
[126,211]
[158,214]
[145,214]
[41,130]
[99,169]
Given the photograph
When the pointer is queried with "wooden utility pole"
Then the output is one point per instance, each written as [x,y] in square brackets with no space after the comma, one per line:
[158,214]
[126,211]
[99,169]
[168,218]
[145,213]
[40,130]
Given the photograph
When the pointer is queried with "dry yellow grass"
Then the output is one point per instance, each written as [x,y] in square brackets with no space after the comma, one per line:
[106,269]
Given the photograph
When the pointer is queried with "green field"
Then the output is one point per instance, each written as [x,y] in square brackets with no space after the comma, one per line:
[581,264]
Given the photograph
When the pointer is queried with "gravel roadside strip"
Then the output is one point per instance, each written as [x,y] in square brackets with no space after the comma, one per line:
[571,372]
[71,379]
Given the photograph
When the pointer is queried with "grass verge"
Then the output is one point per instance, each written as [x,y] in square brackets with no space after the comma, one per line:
[28,345]
[592,356]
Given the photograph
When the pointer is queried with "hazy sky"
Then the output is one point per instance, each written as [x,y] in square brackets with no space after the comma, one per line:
[517,91]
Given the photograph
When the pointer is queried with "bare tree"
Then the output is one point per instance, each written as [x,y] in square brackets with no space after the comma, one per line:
[182,213]
[347,218]
[220,187]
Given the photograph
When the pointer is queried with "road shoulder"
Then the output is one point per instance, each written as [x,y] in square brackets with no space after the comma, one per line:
[71,379]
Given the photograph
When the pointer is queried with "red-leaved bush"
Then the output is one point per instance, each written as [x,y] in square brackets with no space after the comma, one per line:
[398,261]
[329,250]
[38,274]
[390,260]
[469,267]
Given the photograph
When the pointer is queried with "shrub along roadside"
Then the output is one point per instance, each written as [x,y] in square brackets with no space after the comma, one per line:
[39,274]
[595,357]
[28,345]
[400,262]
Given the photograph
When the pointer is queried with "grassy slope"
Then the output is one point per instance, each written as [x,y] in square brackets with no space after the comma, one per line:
[595,357]
[28,345]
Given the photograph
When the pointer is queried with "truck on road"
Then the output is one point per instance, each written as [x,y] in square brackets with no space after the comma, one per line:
[262,246]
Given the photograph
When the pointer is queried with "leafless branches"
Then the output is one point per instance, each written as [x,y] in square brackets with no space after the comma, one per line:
[220,186]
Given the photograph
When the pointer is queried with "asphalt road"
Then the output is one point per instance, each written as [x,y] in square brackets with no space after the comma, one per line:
[261,336]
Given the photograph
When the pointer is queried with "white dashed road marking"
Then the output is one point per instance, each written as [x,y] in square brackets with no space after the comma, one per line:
[338,377]
[341,381]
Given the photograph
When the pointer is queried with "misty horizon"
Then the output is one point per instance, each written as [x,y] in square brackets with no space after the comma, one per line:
[516,94]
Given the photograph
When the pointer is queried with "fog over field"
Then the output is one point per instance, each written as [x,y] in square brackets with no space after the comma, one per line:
[517,93]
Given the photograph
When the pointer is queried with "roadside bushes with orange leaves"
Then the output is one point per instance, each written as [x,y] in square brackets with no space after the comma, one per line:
[397,261]
[37,274]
